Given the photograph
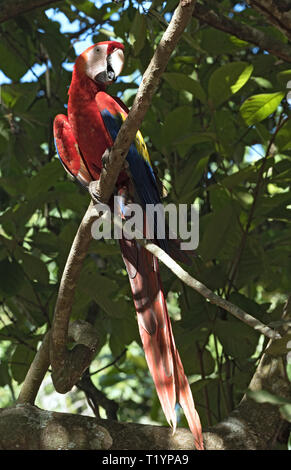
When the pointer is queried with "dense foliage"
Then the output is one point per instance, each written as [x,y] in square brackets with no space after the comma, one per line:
[218,134]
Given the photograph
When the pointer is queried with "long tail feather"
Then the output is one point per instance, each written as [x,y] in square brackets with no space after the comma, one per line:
[156,333]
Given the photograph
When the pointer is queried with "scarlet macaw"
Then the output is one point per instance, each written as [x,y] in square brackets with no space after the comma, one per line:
[81,138]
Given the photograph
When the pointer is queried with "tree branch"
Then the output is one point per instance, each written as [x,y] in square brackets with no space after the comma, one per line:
[250,426]
[277,12]
[243,31]
[208,294]
[63,360]
[256,192]
[36,373]
[11,8]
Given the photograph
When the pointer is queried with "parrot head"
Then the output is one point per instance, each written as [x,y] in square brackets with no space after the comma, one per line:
[102,62]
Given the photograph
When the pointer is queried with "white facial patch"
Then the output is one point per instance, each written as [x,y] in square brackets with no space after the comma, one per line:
[96,61]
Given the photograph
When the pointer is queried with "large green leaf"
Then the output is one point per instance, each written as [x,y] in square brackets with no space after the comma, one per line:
[137,33]
[103,290]
[11,64]
[263,396]
[217,229]
[21,360]
[180,81]
[177,124]
[44,179]
[35,268]
[259,107]
[228,80]
[218,43]
[238,340]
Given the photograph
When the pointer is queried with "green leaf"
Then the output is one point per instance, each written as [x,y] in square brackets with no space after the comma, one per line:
[283,78]
[44,179]
[21,361]
[218,43]
[187,179]
[103,290]
[228,80]
[238,339]
[240,177]
[280,347]
[285,411]
[11,277]
[218,228]
[263,396]
[177,124]
[48,242]
[137,33]
[259,107]
[35,268]
[88,8]
[283,137]
[5,378]
[11,64]
[180,81]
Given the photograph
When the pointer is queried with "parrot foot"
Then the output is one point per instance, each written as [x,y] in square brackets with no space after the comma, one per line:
[105,160]
[93,187]
[105,157]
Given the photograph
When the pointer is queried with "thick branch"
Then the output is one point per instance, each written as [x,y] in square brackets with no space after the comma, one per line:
[79,358]
[255,425]
[12,8]
[145,93]
[243,31]
[86,338]
[250,426]
[36,373]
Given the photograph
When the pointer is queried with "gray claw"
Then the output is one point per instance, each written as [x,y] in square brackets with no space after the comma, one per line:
[105,157]
[93,191]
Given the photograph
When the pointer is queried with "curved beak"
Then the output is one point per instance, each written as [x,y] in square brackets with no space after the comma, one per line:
[114,66]
[115,62]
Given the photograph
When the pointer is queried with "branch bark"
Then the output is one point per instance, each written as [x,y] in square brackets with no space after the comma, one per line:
[277,12]
[243,31]
[68,366]
[36,373]
[208,294]
[250,426]
[11,8]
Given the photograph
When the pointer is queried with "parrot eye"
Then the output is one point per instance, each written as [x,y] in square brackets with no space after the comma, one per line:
[97,49]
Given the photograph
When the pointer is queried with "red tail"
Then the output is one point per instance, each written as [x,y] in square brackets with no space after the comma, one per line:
[156,333]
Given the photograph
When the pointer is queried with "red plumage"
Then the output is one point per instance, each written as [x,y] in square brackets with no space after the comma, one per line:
[81,140]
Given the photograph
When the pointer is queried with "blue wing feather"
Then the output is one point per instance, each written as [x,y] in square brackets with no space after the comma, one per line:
[141,171]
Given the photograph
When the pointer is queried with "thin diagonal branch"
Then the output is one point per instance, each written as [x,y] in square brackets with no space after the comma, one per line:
[260,180]
[243,31]
[277,12]
[208,294]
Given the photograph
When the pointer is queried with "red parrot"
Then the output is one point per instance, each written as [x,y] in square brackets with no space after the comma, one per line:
[81,138]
